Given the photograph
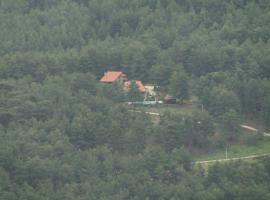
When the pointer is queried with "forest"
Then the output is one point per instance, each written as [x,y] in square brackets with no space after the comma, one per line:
[65,136]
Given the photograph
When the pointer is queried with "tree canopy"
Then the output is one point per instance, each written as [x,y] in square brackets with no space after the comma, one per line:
[64,135]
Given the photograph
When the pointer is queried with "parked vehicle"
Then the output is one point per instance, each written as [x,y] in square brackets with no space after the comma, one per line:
[168,99]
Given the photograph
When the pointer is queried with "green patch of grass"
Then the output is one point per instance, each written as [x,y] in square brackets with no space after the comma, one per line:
[237,150]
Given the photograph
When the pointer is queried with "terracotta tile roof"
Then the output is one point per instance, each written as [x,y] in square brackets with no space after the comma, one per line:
[139,84]
[110,76]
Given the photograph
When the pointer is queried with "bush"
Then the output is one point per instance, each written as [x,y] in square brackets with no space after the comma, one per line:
[253,138]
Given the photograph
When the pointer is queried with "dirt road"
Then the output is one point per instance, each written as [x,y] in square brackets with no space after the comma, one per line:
[254,129]
[233,159]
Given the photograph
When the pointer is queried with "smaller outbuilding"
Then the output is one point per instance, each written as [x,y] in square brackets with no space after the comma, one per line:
[150,89]
[139,84]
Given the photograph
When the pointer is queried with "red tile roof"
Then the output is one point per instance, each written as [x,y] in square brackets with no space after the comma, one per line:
[139,84]
[110,76]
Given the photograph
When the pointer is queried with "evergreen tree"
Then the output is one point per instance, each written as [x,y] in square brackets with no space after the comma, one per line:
[133,93]
[179,86]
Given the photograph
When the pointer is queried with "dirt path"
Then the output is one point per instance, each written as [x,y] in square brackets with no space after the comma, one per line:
[148,113]
[247,127]
[243,125]
[224,159]
[233,159]
[254,129]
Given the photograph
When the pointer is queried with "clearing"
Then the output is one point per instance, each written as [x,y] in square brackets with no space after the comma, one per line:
[236,151]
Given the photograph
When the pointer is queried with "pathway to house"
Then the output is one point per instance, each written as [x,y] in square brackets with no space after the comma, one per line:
[148,113]
[254,129]
[233,159]
[247,127]
[223,159]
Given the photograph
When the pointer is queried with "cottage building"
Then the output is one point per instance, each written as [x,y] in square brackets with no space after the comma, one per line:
[114,76]
[120,77]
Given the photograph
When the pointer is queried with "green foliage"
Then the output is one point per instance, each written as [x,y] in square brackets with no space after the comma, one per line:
[114,92]
[266,109]
[179,86]
[191,131]
[253,138]
[230,122]
[63,135]
[232,179]
[219,100]
[133,93]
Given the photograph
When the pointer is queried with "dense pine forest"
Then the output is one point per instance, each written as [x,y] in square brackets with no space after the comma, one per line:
[65,136]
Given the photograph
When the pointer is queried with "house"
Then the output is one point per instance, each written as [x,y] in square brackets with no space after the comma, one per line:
[113,76]
[139,84]
[120,77]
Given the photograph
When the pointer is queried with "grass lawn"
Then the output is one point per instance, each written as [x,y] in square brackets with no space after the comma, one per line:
[237,150]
